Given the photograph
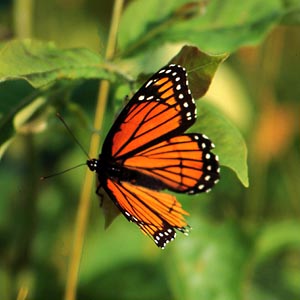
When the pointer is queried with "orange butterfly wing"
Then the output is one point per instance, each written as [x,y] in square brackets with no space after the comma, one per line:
[182,163]
[162,107]
[157,214]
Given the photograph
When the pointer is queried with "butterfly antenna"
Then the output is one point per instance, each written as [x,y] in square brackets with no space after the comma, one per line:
[71,133]
[62,172]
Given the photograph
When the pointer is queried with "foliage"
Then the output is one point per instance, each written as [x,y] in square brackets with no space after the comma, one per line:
[245,242]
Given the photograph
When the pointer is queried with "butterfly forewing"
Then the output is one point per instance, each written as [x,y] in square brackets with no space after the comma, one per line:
[163,107]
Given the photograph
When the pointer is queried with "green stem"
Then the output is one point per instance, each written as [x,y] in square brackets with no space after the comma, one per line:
[23,12]
[84,202]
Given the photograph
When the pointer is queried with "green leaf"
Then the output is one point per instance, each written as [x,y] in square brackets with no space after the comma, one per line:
[226,25]
[221,26]
[200,66]
[230,145]
[135,24]
[41,63]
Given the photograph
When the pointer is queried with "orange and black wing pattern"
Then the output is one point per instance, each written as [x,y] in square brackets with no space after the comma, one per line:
[157,214]
[183,164]
[146,151]
[162,107]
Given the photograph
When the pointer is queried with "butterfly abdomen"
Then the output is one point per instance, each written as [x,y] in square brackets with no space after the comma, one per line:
[120,173]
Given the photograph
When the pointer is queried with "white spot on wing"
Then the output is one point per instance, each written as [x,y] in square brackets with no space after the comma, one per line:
[201,186]
[149,83]
[207,178]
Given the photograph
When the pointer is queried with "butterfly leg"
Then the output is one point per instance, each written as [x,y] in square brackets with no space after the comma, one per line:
[100,194]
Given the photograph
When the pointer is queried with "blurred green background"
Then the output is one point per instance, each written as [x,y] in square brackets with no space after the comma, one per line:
[245,242]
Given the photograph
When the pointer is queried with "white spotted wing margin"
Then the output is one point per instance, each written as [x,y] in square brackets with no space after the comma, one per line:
[167,235]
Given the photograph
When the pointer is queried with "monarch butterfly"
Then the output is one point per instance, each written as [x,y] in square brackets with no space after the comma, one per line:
[146,151]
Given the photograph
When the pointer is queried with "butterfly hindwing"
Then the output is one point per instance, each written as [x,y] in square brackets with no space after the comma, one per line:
[157,214]
[182,164]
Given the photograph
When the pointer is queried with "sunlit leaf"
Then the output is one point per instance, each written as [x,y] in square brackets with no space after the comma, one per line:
[200,66]
[41,63]
[215,27]
[230,145]
[134,24]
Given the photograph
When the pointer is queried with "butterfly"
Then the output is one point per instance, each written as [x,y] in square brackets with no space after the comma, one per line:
[146,152]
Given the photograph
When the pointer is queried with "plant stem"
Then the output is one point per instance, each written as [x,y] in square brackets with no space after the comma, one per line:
[84,204]
[23,12]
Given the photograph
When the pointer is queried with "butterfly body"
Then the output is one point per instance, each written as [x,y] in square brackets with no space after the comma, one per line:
[116,172]
[146,152]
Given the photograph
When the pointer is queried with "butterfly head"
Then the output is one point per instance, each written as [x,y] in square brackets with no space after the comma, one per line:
[93,164]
